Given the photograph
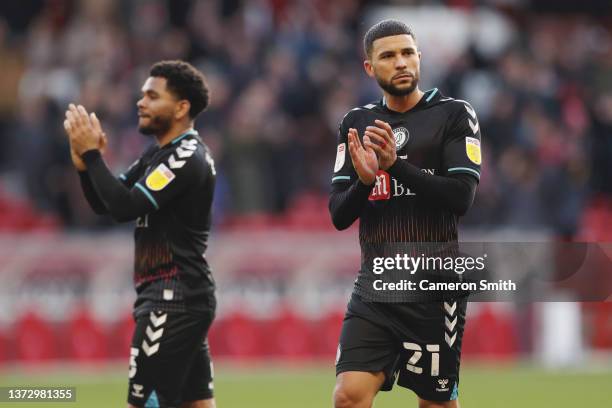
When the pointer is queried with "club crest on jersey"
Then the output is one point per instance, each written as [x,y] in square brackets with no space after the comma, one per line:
[472,148]
[159,178]
[340,156]
[401,136]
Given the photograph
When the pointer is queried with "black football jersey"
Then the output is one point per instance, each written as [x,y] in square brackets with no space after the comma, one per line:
[441,136]
[170,268]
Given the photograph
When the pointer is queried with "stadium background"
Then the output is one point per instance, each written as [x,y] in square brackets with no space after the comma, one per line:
[282,74]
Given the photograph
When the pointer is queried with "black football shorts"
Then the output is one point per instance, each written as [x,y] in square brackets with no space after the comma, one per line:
[169,355]
[417,344]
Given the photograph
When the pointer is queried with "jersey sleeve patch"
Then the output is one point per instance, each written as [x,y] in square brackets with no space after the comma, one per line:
[472,148]
[340,157]
[160,178]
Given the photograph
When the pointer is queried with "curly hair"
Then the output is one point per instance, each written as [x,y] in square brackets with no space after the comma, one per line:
[185,81]
[385,28]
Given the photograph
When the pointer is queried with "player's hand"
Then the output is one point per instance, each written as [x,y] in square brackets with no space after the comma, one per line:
[364,158]
[84,135]
[98,127]
[77,161]
[382,141]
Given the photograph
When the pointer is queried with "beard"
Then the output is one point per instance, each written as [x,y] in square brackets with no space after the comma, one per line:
[394,90]
[158,125]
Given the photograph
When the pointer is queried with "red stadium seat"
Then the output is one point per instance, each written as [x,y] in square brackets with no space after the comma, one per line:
[596,219]
[216,336]
[240,336]
[309,212]
[34,339]
[490,334]
[4,348]
[120,338]
[289,336]
[17,215]
[602,326]
[327,333]
[86,338]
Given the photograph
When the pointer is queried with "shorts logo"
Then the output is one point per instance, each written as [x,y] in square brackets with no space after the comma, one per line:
[472,148]
[401,135]
[338,353]
[443,383]
[450,320]
[137,390]
[340,157]
[154,333]
[160,178]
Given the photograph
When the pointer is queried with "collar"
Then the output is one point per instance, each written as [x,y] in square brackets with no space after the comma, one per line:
[428,98]
[192,132]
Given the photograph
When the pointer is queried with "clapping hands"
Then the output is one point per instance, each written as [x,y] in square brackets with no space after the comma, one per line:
[84,132]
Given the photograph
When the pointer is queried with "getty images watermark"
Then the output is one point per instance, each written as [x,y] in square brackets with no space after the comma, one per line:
[458,265]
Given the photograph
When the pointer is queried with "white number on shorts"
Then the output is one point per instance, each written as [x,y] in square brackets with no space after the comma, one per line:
[434,349]
[133,354]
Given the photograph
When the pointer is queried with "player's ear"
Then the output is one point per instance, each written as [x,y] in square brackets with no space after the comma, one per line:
[369,69]
[182,109]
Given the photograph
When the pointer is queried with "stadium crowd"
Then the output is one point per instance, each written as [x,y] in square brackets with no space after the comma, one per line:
[282,74]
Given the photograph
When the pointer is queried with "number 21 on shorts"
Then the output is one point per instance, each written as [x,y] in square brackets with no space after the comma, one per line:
[434,349]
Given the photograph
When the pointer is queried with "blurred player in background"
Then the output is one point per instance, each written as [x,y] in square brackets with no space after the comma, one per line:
[412,168]
[168,191]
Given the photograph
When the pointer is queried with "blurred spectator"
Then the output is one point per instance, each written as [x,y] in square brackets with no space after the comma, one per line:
[282,74]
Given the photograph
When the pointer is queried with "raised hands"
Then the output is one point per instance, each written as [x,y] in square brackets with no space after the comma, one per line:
[84,132]
[364,158]
[380,139]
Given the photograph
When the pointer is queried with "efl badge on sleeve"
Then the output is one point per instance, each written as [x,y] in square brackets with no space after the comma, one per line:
[472,148]
[340,157]
[160,178]
[382,187]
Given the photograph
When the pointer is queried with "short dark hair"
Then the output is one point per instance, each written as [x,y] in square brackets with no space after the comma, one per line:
[385,28]
[185,81]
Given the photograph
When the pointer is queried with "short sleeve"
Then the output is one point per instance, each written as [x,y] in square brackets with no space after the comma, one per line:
[462,150]
[343,166]
[169,177]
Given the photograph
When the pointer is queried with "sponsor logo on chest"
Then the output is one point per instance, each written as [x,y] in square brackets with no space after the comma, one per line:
[387,187]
